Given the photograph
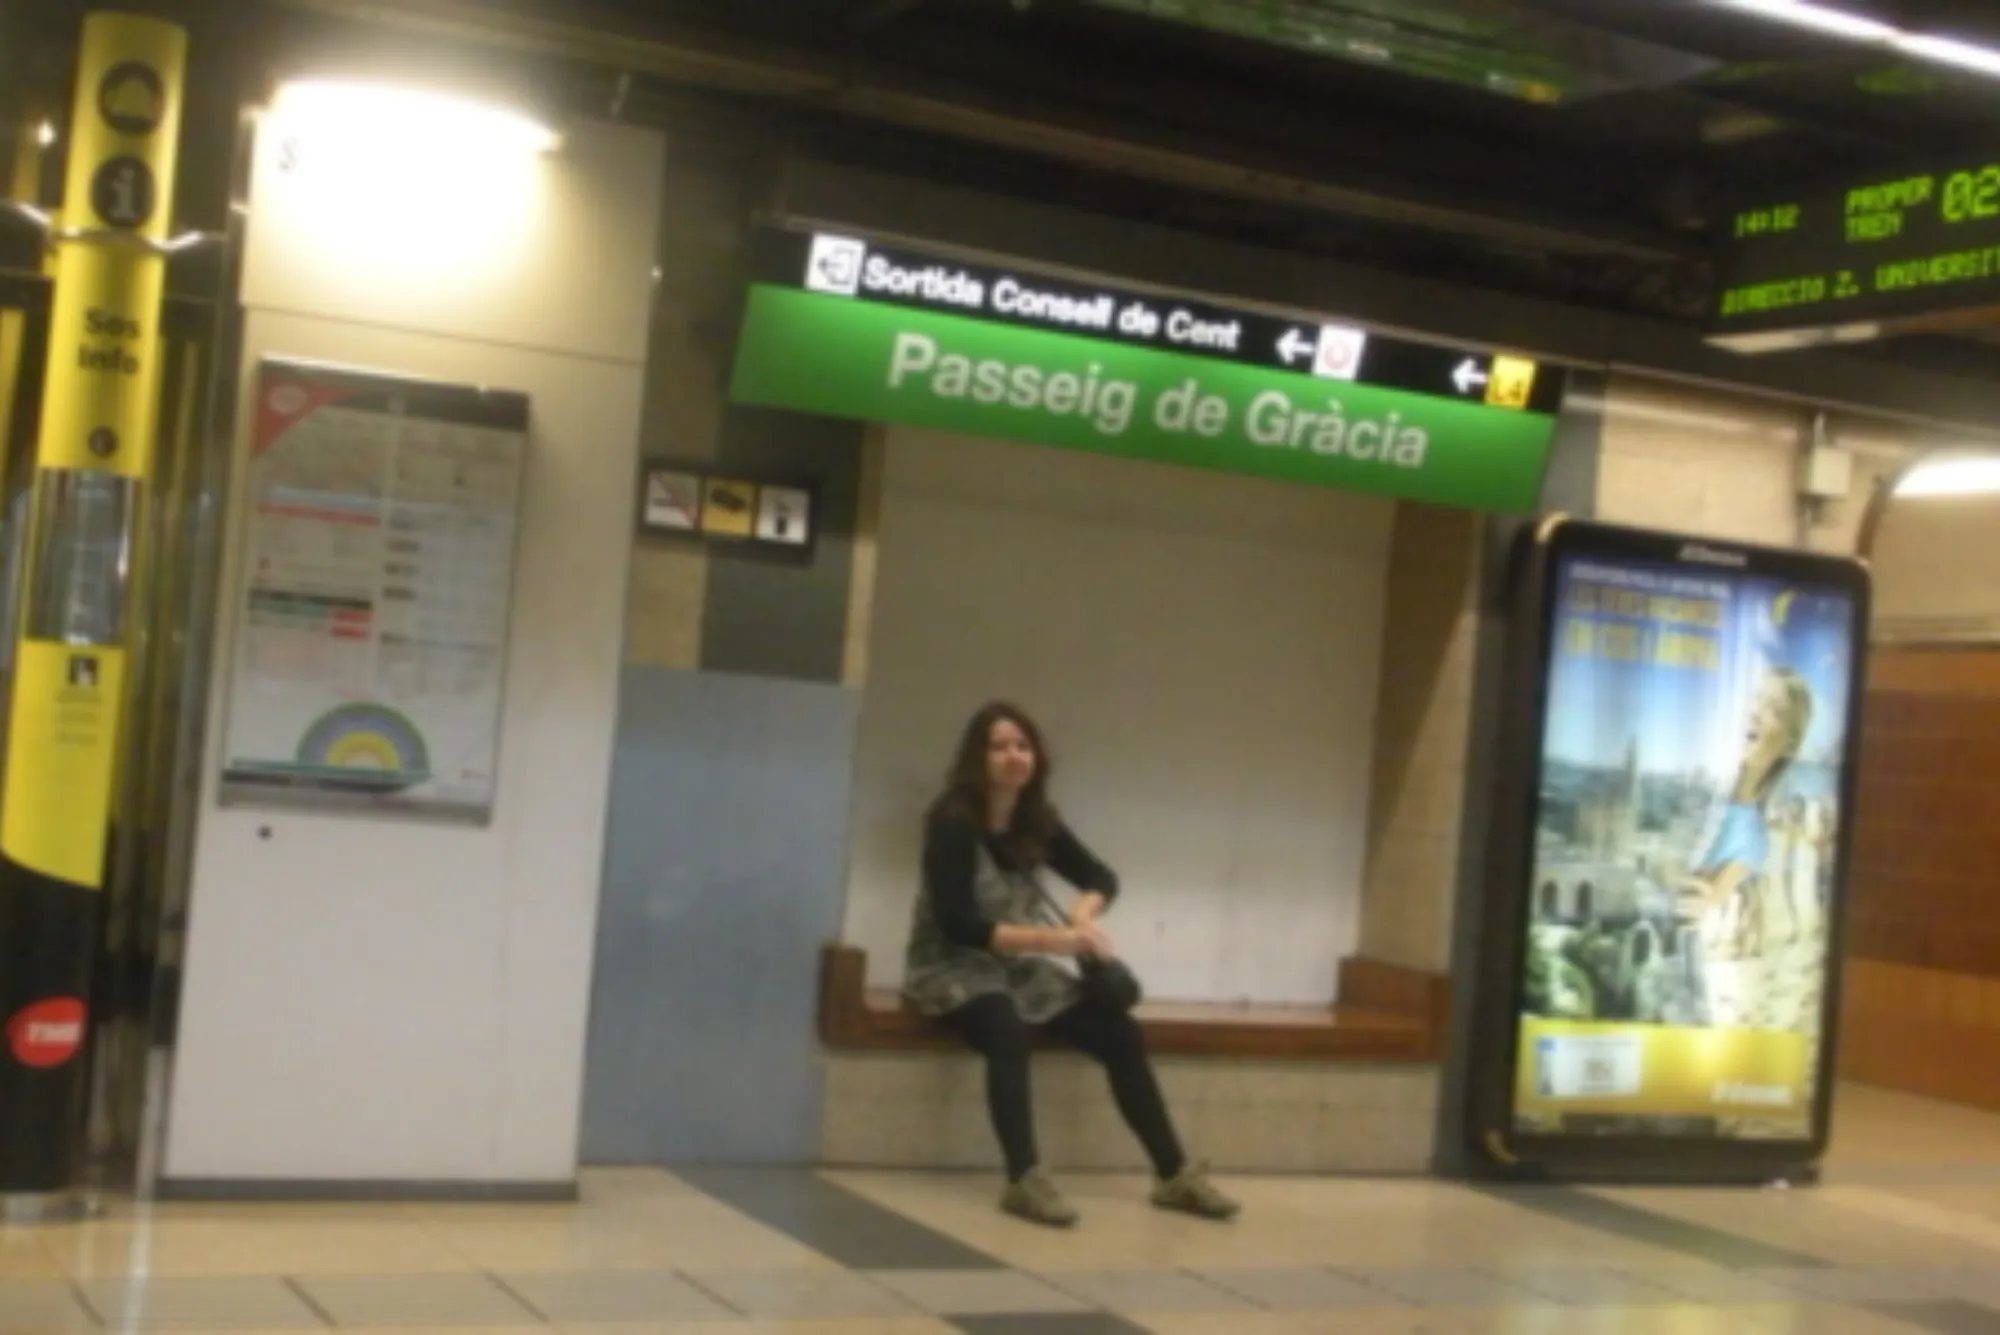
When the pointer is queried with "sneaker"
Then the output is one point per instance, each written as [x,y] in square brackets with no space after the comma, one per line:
[1192,1193]
[1035,1199]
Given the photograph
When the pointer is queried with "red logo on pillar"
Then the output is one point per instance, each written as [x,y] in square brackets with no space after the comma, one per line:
[47,1034]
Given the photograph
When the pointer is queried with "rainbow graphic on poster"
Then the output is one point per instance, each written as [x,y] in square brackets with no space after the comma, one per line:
[372,741]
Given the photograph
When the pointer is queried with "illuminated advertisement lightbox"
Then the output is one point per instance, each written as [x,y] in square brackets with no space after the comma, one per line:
[1680,801]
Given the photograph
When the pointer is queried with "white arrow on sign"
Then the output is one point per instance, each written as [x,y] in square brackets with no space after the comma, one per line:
[1294,346]
[1468,376]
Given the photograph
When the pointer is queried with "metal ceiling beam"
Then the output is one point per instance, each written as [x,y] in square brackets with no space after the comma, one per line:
[703,60]
[873,13]
[1719,35]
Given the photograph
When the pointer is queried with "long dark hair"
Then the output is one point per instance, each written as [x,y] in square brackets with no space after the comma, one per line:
[964,796]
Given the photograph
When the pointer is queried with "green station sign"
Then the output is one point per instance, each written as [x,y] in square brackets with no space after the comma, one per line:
[1205,406]
[1874,255]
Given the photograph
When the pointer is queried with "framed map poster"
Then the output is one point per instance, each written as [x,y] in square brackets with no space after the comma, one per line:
[375,593]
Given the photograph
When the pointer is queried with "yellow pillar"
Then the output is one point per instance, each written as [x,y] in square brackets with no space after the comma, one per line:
[23,187]
[93,458]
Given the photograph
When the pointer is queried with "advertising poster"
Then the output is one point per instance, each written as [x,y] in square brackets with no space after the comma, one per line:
[1686,837]
[376,592]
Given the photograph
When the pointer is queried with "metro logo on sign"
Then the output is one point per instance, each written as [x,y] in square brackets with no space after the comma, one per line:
[1340,349]
[47,1034]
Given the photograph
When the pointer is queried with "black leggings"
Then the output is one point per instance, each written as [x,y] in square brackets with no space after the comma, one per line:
[994,1028]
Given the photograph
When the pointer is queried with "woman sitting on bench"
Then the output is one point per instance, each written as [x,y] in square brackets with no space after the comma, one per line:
[979,961]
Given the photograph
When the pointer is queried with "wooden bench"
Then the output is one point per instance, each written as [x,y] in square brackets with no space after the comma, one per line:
[1385,1013]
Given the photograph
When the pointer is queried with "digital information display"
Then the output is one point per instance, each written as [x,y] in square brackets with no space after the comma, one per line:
[851,328]
[1689,812]
[1888,250]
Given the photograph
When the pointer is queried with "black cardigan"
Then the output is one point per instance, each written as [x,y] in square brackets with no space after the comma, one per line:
[951,866]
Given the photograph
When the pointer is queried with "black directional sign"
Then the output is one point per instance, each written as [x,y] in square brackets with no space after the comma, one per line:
[1306,343]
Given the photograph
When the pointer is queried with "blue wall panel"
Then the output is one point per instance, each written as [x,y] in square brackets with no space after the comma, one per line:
[725,874]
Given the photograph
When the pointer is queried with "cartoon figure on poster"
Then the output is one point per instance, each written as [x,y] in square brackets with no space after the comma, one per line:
[1736,886]
[1684,845]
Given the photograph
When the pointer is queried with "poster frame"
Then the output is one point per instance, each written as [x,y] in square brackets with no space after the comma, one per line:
[505,410]
[1497,1149]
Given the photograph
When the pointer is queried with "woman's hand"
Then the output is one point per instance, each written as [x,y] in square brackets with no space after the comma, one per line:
[1084,912]
[1090,942]
[1076,942]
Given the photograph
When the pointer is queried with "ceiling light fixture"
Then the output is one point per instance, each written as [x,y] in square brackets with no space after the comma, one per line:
[1950,51]
[387,113]
[1818,18]
[1929,47]
[1953,475]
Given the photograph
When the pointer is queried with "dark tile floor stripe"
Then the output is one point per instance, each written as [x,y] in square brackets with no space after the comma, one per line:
[1713,1245]
[1944,1318]
[299,1292]
[834,1221]
[1077,1323]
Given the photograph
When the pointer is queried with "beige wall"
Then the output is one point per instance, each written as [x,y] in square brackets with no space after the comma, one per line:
[1423,723]
[701,227]
[1934,560]
[1726,466]
[680,599]
[1881,449]
[1699,462]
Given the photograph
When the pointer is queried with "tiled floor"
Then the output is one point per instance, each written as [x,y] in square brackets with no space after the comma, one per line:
[1905,1237]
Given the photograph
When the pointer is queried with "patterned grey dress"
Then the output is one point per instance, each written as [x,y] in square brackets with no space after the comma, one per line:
[942,976]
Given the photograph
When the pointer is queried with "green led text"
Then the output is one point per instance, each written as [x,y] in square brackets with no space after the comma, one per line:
[1970,196]
[1768,221]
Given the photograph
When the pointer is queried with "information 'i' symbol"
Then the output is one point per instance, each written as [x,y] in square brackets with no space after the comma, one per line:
[123,193]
